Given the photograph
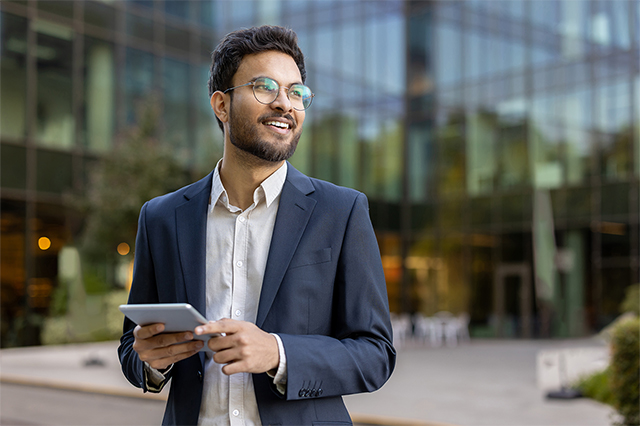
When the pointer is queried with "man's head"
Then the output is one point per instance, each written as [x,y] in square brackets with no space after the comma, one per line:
[235,46]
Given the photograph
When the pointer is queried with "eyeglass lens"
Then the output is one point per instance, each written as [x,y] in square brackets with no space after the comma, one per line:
[266,91]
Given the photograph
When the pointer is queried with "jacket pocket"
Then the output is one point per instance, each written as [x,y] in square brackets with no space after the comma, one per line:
[311,258]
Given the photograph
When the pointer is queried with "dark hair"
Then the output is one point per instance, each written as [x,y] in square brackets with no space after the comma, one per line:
[229,53]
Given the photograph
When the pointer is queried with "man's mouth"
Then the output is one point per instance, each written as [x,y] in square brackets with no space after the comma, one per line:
[278,124]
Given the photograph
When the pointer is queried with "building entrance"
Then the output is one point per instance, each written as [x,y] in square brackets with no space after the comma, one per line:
[512,304]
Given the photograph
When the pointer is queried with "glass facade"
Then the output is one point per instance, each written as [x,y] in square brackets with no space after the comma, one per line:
[454,117]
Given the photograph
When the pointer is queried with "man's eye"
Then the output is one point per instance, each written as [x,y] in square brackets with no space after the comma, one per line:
[265,87]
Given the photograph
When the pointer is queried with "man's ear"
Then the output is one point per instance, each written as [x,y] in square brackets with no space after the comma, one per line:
[220,106]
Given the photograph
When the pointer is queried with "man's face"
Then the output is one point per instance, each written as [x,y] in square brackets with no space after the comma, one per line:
[269,132]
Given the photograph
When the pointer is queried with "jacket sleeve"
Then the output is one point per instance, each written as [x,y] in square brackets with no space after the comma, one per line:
[143,290]
[358,356]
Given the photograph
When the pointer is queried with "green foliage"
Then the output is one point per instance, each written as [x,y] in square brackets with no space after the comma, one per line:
[596,386]
[631,302]
[625,370]
[136,170]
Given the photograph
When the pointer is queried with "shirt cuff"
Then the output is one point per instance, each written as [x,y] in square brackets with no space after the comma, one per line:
[280,378]
[154,379]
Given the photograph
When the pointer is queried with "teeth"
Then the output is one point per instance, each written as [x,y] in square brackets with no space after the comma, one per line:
[277,124]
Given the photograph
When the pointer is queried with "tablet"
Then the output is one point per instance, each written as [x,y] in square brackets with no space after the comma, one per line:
[176,317]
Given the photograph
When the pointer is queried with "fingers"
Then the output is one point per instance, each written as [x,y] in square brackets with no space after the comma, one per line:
[162,350]
[243,348]
[147,331]
[163,357]
[223,326]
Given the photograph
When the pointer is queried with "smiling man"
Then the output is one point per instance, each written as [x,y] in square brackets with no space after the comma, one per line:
[286,267]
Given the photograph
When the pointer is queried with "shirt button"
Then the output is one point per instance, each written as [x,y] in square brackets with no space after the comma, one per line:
[238,312]
[236,413]
[239,263]
[241,219]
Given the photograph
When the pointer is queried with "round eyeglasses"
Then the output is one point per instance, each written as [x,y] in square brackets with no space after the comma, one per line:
[266,91]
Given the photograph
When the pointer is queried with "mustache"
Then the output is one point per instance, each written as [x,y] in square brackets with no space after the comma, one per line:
[271,116]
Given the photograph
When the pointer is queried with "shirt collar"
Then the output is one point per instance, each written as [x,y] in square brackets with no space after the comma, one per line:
[271,187]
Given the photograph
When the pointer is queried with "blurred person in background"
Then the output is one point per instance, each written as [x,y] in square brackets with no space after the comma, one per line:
[288,265]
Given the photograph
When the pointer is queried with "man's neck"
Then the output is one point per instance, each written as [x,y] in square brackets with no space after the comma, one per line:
[242,178]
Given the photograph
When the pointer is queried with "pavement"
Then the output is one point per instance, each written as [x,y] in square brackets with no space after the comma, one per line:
[477,383]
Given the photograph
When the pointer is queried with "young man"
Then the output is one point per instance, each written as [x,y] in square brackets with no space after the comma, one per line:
[288,265]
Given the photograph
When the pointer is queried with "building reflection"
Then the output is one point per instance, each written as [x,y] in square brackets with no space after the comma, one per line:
[450,115]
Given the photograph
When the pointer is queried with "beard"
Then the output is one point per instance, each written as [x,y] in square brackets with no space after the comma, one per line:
[244,136]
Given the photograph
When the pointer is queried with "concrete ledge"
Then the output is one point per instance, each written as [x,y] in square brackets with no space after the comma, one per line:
[118,391]
[80,387]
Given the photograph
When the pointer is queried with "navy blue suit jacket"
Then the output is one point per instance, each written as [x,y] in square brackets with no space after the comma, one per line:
[323,292]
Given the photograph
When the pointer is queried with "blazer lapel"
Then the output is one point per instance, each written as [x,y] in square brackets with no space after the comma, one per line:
[293,215]
[191,228]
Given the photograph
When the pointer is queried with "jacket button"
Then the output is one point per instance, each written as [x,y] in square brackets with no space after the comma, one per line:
[301,393]
[200,375]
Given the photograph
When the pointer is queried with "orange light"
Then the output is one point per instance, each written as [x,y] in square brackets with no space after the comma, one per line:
[44,243]
[123,249]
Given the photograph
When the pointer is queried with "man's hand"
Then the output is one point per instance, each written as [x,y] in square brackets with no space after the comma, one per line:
[243,347]
[162,350]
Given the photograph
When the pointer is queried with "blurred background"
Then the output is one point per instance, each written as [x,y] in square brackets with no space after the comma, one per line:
[498,143]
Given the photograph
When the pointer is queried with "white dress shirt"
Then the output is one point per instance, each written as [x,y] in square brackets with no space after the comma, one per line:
[236,255]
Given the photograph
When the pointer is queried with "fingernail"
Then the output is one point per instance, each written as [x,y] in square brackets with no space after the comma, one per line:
[188,336]
[200,344]
[198,330]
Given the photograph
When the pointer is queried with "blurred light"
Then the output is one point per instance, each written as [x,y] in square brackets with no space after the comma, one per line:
[130,276]
[44,243]
[123,249]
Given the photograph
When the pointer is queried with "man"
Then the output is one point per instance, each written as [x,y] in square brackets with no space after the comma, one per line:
[287,265]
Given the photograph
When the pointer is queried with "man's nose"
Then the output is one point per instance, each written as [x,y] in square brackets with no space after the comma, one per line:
[282,102]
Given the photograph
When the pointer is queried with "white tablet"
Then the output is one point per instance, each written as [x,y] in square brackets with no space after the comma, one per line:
[176,317]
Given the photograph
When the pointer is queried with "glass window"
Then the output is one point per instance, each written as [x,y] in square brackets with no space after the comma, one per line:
[391,144]
[636,135]
[573,28]
[176,108]
[451,158]
[614,200]
[348,154]
[55,122]
[176,38]
[179,8]
[140,27]
[422,161]
[481,137]
[14,167]
[99,95]
[54,171]
[269,12]
[139,81]
[63,8]
[242,13]
[99,14]
[208,147]
[513,158]
[13,86]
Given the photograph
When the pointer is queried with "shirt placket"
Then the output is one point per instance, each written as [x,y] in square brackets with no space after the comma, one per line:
[238,307]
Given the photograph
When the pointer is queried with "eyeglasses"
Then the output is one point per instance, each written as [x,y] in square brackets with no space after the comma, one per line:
[266,91]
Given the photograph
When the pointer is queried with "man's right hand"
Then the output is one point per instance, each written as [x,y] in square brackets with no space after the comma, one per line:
[162,350]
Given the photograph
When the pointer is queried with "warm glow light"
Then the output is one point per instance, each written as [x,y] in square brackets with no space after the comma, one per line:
[123,249]
[44,243]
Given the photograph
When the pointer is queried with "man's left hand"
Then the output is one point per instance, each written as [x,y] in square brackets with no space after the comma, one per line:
[243,347]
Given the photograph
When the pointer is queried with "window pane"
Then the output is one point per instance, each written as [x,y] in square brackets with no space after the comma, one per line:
[55,122]
[14,167]
[54,172]
[99,97]
[99,14]
[176,109]
[13,70]
[139,82]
